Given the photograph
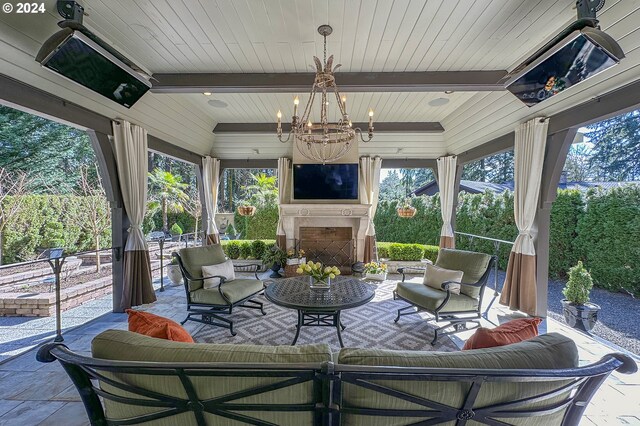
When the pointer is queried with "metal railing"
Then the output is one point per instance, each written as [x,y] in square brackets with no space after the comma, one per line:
[496,251]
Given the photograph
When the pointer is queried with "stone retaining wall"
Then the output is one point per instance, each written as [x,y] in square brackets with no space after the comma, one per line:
[69,265]
[44,304]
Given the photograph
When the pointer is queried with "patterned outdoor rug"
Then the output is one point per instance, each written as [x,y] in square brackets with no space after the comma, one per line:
[368,326]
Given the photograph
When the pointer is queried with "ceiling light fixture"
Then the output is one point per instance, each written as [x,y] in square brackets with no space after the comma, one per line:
[319,140]
[438,102]
[217,103]
[206,93]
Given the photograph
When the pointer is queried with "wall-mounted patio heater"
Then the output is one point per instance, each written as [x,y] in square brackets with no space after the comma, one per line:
[80,56]
[579,52]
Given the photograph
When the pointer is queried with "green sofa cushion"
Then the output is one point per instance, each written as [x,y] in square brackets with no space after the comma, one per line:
[235,291]
[194,258]
[473,264]
[129,346]
[549,351]
[429,298]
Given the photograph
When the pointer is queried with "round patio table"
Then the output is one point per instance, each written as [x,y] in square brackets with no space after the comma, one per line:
[319,307]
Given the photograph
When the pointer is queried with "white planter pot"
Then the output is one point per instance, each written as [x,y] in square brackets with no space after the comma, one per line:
[174,274]
[375,277]
[296,261]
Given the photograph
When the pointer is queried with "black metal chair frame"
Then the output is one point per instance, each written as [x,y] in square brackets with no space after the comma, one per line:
[209,313]
[328,379]
[459,324]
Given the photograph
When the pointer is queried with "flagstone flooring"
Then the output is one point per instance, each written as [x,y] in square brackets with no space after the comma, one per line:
[33,393]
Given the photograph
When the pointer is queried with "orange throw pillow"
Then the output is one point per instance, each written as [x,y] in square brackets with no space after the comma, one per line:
[513,331]
[156,326]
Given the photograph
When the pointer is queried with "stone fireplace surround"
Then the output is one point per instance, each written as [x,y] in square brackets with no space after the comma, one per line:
[355,216]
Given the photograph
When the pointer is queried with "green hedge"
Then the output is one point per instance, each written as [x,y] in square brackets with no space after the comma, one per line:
[260,226]
[46,221]
[246,249]
[406,252]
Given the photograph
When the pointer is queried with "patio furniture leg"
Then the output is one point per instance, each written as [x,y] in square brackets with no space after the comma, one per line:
[338,326]
[401,313]
[458,325]
[259,305]
[210,319]
[298,327]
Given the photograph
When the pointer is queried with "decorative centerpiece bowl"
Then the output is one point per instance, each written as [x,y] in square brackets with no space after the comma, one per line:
[319,276]
[375,271]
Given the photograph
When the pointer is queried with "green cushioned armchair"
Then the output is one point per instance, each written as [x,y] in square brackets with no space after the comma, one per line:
[443,304]
[205,305]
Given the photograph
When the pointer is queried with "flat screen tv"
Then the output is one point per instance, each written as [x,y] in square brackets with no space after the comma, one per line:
[325,182]
[576,58]
[76,57]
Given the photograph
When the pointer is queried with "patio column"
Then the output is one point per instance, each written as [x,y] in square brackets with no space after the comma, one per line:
[519,291]
[447,169]
[210,180]
[369,191]
[283,185]
[130,143]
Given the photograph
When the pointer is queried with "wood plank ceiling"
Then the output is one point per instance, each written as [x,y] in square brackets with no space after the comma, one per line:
[256,36]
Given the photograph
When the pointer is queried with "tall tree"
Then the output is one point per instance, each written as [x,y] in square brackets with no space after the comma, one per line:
[578,166]
[51,153]
[391,188]
[14,185]
[193,206]
[497,168]
[166,192]
[616,150]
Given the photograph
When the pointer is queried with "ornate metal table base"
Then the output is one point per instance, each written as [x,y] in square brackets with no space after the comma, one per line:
[319,319]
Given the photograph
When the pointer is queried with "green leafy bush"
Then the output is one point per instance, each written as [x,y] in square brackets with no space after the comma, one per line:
[175,229]
[53,235]
[245,249]
[383,250]
[260,226]
[431,253]
[407,252]
[579,285]
[258,249]
[232,249]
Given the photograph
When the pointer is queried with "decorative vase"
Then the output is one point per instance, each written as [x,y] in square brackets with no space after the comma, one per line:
[316,284]
[581,317]
[275,271]
[294,261]
[376,277]
[174,274]
[406,211]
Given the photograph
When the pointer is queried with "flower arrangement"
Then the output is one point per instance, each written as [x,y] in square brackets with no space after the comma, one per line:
[316,271]
[375,268]
[295,258]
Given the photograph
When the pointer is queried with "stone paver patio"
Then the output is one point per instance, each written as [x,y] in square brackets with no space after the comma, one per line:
[42,394]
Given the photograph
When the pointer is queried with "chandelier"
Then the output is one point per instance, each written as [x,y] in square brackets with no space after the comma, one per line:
[320,140]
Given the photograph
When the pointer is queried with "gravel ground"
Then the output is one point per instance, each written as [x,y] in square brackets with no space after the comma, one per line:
[617,321]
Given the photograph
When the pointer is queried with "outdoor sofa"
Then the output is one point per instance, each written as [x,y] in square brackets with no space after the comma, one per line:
[160,382]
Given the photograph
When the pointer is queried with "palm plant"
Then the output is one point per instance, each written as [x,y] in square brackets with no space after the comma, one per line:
[167,193]
[263,191]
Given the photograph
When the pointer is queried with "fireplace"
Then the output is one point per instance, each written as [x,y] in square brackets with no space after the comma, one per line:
[315,226]
[329,245]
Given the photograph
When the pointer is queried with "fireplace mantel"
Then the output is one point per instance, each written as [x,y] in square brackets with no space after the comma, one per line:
[355,216]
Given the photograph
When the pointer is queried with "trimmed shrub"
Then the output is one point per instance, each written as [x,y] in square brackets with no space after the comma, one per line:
[407,252]
[383,250]
[431,253]
[175,229]
[260,226]
[245,249]
[258,249]
[565,214]
[232,249]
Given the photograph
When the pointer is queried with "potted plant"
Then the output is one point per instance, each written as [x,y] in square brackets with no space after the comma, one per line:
[319,276]
[246,210]
[173,271]
[375,271]
[295,258]
[406,209]
[275,258]
[579,313]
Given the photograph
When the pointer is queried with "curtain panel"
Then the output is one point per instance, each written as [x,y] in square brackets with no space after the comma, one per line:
[519,291]
[283,186]
[130,142]
[210,180]
[369,194]
[446,182]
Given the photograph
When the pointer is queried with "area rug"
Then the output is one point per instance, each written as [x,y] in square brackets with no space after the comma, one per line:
[368,326]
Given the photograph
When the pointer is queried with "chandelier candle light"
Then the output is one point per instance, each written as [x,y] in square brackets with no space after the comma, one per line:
[321,140]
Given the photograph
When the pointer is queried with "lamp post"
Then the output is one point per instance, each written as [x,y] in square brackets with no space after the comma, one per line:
[56,260]
[160,237]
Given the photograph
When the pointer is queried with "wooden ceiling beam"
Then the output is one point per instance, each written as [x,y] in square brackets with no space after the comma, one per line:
[396,127]
[427,81]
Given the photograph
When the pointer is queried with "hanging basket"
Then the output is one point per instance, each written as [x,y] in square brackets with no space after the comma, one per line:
[246,210]
[406,211]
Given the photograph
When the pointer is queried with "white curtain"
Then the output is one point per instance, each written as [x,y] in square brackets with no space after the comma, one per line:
[519,290]
[446,182]
[130,143]
[210,181]
[370,187]
[283,186]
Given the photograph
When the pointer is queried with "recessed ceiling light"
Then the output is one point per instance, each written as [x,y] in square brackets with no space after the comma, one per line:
[438,101]
[216,103]
[206,93]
